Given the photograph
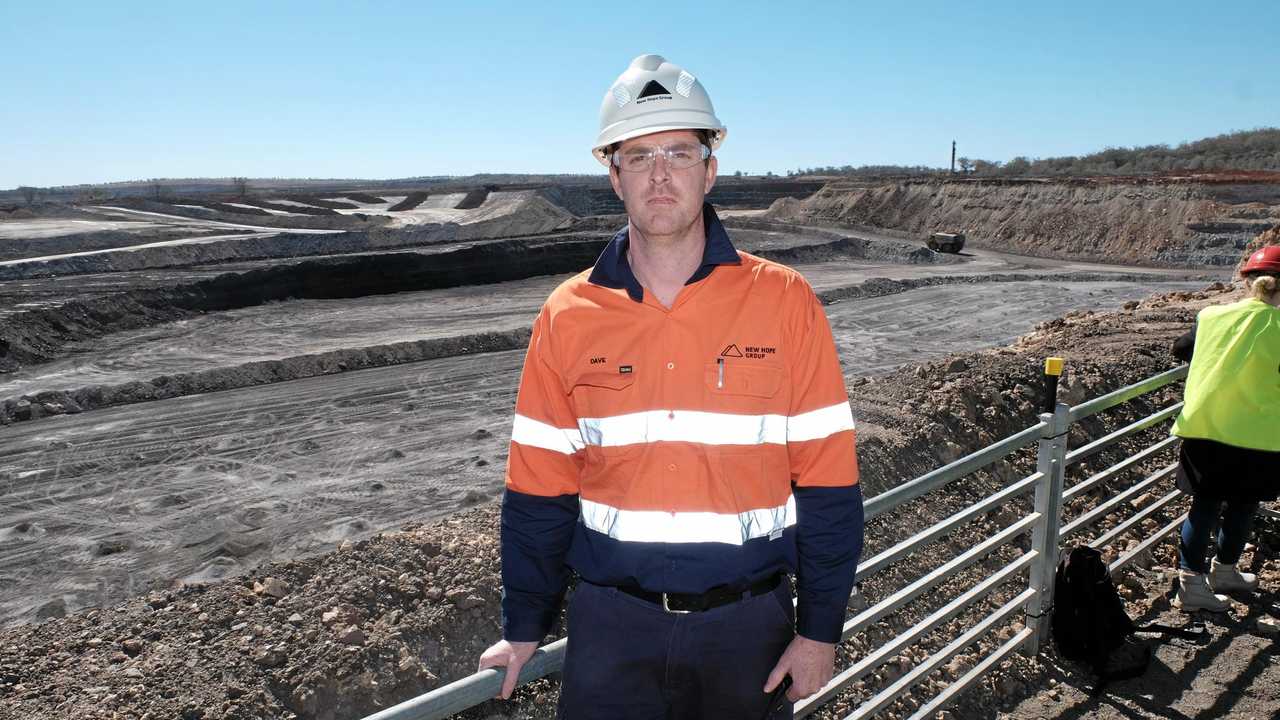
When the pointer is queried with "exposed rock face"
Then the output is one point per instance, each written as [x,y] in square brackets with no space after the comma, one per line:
[1162,222]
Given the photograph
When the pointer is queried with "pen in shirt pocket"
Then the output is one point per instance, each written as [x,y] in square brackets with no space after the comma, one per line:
[719,373]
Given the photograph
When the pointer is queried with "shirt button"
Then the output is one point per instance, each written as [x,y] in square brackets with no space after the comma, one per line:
[672,467]
[671,414]
[671,366]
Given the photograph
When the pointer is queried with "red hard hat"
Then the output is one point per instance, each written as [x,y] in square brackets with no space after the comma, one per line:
[1266,259]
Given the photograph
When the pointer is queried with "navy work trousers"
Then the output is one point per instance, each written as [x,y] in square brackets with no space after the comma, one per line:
[628,659]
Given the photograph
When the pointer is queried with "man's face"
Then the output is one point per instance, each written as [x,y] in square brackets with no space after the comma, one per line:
[663,201]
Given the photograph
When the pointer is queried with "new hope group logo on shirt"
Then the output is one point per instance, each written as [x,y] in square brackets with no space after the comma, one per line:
[755,352]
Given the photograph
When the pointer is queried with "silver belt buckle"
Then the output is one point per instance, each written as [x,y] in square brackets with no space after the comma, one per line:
[667,607]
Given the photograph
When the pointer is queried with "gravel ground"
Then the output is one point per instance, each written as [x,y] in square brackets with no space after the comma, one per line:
[1229,671]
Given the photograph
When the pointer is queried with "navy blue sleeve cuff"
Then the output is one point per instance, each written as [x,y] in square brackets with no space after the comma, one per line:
[528,618]
[536,533]
[821,622]
[829,528]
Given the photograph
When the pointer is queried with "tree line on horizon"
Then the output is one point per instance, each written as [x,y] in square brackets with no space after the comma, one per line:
[1243,150]
[1257,149]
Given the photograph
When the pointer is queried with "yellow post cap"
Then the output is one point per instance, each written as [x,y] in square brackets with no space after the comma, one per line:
[1053,366]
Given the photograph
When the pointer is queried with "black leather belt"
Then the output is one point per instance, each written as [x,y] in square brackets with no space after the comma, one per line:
[699,602]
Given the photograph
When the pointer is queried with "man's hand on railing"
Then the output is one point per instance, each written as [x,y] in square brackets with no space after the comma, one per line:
[512,656]
[809,663]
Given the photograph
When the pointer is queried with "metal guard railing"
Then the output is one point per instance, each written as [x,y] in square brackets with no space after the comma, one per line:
[1045,523]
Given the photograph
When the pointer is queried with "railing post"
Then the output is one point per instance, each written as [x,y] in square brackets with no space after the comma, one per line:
[1050,464]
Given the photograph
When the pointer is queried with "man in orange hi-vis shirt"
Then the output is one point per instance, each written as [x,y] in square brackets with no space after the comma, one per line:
[682,442]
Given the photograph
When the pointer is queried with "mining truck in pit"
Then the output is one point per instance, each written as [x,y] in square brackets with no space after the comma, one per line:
[946,242]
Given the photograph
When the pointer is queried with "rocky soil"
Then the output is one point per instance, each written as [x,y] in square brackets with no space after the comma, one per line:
[1227,671]
[381,620]
[1191,222]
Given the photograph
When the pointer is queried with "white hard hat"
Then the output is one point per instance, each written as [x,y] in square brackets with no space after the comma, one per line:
[654,95]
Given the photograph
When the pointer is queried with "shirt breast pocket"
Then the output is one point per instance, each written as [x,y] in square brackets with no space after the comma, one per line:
[599,394]
[739,387]
[605,405]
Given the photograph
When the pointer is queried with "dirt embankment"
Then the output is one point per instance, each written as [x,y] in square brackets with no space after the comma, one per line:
[262,372]
[303,219]
[729,192]
[243,247]
[98,240]
[282,245]
[764,237]
[1183,223]
[378,621]
[411,201]
[44,210]
[523,213]
[80,399]
[34,336]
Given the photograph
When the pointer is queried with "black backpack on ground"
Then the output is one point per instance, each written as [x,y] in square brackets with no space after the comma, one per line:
[1089,623]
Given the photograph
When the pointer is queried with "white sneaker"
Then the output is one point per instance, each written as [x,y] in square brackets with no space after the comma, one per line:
[1194,594]
[1226,578]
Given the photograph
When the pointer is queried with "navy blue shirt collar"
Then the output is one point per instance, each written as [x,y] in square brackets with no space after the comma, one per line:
[613,271]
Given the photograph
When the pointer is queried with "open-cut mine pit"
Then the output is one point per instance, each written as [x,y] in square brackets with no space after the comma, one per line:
[193,388]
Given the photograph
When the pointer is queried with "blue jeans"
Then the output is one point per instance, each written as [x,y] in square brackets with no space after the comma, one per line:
[628,659]
[1202,519]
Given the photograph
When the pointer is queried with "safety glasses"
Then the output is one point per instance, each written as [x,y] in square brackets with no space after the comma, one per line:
[680,156]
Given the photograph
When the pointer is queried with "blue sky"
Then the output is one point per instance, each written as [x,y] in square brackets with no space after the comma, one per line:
[96,92]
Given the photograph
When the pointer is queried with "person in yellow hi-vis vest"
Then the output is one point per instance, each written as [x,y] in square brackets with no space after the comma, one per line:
[1230,430]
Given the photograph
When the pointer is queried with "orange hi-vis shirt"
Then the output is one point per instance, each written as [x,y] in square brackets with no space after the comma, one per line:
[706,444]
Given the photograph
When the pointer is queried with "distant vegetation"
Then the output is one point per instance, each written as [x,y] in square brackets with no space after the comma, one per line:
[869,170]
[1245,150]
